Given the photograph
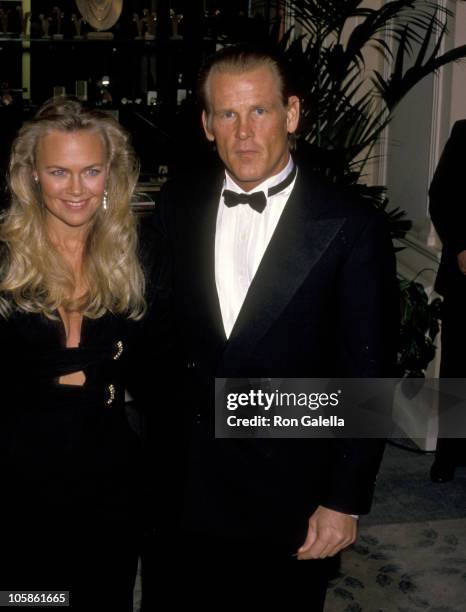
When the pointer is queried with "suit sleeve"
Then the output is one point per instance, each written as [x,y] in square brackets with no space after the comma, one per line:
[368,319]
[446,205]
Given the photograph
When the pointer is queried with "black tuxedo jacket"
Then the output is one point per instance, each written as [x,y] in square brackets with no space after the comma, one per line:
[322,303]
[448,211]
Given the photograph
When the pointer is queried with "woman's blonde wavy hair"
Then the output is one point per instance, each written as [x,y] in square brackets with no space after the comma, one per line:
[34,277]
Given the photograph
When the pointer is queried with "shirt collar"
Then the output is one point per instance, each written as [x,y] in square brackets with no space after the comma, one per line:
[229,183]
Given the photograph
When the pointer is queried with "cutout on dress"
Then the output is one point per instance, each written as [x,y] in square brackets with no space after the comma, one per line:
[75,379]
[72,324]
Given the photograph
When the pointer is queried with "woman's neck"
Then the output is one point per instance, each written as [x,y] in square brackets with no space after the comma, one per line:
[70,245]
[65,238]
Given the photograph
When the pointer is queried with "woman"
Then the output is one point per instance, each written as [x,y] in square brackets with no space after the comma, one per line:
[71,291]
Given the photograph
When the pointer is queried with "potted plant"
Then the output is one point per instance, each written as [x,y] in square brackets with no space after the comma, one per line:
[346,108]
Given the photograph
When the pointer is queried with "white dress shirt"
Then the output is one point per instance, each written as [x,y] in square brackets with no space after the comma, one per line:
[241,238]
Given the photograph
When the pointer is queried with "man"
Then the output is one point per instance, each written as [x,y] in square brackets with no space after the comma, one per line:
[298,283]
[448,214]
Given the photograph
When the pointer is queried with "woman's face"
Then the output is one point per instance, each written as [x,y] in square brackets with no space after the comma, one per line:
[71,168]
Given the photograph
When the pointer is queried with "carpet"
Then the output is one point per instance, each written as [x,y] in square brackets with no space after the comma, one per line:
[403,567]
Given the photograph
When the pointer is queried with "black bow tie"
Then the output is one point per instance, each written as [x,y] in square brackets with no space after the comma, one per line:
[257,200]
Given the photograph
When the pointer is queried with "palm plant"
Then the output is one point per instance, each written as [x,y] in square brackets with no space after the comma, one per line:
[346,108]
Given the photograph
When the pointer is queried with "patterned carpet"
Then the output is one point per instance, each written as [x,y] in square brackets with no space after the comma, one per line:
[411,552]
[404,567]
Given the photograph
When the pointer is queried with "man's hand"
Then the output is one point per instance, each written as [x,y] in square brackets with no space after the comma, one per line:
[461,259]
[329,532]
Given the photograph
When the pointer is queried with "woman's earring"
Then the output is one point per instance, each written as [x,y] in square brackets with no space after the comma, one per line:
[105,200]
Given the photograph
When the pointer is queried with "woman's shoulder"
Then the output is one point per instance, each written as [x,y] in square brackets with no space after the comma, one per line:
[18,329]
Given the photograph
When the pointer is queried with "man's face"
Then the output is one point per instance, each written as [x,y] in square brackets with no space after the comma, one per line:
[250,124]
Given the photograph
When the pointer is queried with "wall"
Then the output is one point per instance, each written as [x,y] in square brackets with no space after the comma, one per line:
[415,141]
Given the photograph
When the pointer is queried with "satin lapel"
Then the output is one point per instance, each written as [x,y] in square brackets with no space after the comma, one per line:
[202,228]
[299,241]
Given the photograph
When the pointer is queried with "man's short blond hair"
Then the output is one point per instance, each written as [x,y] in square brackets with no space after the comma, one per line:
[239,59]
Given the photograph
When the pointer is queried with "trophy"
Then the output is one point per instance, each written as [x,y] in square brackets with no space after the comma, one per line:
[149,20]
[100,15]
[4,22]
[25,19]
[78,22]
[176,20]
[80,89]
[45,25]
[59,91]
[139,25]
[58,18]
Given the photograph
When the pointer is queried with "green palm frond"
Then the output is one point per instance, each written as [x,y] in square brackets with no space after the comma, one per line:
[399,83]
[345,110]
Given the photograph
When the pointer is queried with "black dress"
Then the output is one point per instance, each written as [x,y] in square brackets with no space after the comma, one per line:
[70,462]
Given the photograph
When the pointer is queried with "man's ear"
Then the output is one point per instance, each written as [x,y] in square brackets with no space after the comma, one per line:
[292,114]
[205,124]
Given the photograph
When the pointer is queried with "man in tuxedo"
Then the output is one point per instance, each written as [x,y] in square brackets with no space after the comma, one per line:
[268,272]
[448,214]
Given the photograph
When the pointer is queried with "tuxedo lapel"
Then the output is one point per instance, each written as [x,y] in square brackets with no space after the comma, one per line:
[300,239]
[202,224]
